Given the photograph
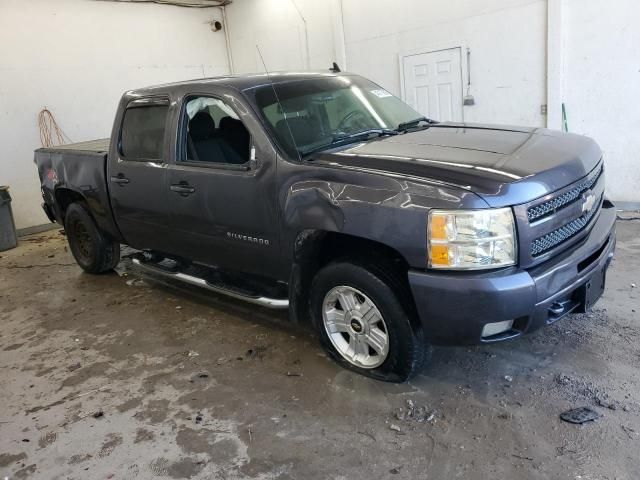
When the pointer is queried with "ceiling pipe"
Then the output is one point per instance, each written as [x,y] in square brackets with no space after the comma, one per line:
[339,42]
[179,3]
[306,34]
[225,26]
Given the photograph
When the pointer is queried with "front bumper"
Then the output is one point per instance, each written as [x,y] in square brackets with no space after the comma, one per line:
[454,307]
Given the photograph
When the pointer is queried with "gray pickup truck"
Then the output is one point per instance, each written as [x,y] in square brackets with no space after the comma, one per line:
[323,193]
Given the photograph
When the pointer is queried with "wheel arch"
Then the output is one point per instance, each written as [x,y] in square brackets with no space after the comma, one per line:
[97,210]
[313,249]
[64,198]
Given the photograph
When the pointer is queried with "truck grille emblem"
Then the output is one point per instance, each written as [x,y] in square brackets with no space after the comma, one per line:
[588,201]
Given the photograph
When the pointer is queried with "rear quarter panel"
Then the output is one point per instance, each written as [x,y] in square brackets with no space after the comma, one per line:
[82,173]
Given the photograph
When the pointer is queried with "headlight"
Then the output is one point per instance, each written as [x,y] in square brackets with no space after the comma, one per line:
[471,239]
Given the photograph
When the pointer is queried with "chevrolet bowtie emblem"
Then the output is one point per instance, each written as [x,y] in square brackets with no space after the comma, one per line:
[588,201]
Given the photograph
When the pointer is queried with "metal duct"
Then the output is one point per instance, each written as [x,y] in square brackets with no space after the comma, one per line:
[180,3]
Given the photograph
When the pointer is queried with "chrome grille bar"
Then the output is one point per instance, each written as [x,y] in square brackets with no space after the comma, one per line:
[552,239]
[567,198]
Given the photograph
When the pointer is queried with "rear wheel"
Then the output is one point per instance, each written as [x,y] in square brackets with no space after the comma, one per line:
[364,322]
[92,249]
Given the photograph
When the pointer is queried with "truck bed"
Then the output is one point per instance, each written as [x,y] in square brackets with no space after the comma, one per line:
[67,171]
[92,146]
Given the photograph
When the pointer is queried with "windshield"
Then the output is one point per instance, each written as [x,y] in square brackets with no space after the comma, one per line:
[326,112]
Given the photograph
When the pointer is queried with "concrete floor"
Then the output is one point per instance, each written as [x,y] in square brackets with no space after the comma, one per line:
[119,377]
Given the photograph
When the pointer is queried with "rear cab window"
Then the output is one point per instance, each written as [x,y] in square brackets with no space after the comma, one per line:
[143,130]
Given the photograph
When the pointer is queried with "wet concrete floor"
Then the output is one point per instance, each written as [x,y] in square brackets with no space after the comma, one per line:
[123,377]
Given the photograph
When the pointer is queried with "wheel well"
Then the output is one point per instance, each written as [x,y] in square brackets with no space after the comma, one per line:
[64,198]
[340,246]
[315,249]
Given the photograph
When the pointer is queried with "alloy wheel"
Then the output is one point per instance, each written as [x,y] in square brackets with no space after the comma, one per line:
[355,327]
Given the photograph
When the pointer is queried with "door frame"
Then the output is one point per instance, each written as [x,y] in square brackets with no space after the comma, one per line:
[262,159]
[462,45]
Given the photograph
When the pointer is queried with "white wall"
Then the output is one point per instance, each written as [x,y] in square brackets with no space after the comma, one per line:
[597,72]
[77,57]
[507,39]
[602,85]
[278,29]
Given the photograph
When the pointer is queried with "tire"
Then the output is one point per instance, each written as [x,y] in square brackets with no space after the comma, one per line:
[406,348]
[92,249]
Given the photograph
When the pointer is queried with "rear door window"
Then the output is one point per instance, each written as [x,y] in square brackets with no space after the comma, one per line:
[143,129]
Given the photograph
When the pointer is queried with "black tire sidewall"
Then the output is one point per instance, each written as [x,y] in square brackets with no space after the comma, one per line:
[406,343]
[92,263]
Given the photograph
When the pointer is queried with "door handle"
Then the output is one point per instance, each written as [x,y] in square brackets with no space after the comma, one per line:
[182,188]
[120,179]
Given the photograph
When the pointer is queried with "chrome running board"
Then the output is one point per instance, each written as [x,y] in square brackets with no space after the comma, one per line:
[274,303]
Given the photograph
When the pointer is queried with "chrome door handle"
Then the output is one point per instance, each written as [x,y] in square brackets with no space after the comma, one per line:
[183,189]
[120,180]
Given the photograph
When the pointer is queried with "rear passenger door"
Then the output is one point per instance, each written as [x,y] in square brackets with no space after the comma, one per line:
[137,174]
[222,187]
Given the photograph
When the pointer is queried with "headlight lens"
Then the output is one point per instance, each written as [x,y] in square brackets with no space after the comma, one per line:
[471,239]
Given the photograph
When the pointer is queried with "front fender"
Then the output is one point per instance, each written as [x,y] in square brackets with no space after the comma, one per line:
[396,218]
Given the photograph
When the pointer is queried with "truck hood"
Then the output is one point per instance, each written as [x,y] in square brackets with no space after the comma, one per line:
[504,165]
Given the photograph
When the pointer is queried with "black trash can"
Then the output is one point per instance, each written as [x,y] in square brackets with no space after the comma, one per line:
[8,237]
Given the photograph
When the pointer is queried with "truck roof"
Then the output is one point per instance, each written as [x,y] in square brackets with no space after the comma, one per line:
[241,82]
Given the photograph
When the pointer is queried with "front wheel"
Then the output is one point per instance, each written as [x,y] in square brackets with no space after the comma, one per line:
[92,249]
[363,320]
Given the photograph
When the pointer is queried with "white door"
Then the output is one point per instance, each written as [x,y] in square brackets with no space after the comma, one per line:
[433,84]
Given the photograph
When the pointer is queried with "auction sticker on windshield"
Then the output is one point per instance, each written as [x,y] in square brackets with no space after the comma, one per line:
[381,93]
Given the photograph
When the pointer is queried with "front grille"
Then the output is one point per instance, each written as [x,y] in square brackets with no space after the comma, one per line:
[552,239]
[549,225]
[567,198]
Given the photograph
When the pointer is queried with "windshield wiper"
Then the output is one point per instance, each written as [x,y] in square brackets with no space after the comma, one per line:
[345,139]
[415,123]
[378,132]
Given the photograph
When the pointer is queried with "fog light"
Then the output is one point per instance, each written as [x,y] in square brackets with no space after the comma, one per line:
[491,329]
